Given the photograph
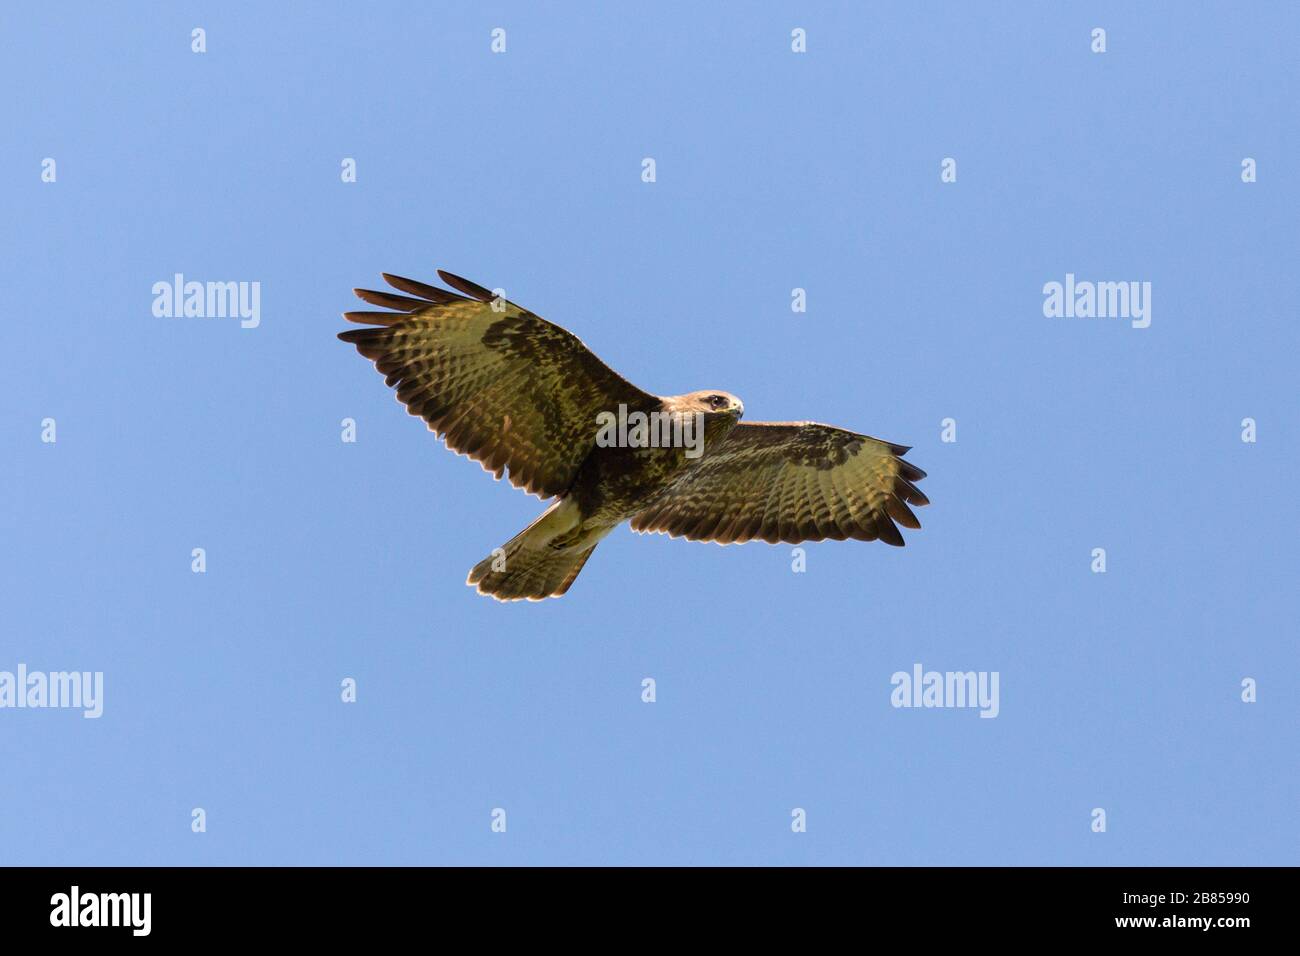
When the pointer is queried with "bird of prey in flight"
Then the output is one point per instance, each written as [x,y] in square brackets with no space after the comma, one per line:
[527,399]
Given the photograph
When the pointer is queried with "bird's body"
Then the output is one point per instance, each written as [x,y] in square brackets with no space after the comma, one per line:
[615,482]
[524,396]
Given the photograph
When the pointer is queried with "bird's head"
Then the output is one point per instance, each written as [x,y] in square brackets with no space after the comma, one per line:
[714,403]
[717,411]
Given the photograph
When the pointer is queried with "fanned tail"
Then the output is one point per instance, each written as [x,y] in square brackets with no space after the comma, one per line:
[530,566]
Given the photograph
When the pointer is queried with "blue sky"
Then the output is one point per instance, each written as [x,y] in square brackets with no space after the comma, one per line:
[775,171]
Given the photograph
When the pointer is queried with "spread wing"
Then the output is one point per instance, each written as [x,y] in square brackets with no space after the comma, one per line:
[495,381]
[792,482]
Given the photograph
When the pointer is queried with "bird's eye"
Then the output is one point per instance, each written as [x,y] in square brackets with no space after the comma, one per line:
[717,401]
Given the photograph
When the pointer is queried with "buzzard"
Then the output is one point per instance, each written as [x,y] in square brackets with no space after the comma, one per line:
[526,398]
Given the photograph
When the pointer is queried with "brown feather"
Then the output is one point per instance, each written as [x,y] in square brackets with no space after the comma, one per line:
[389,301]
[471,289]
[421,289]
